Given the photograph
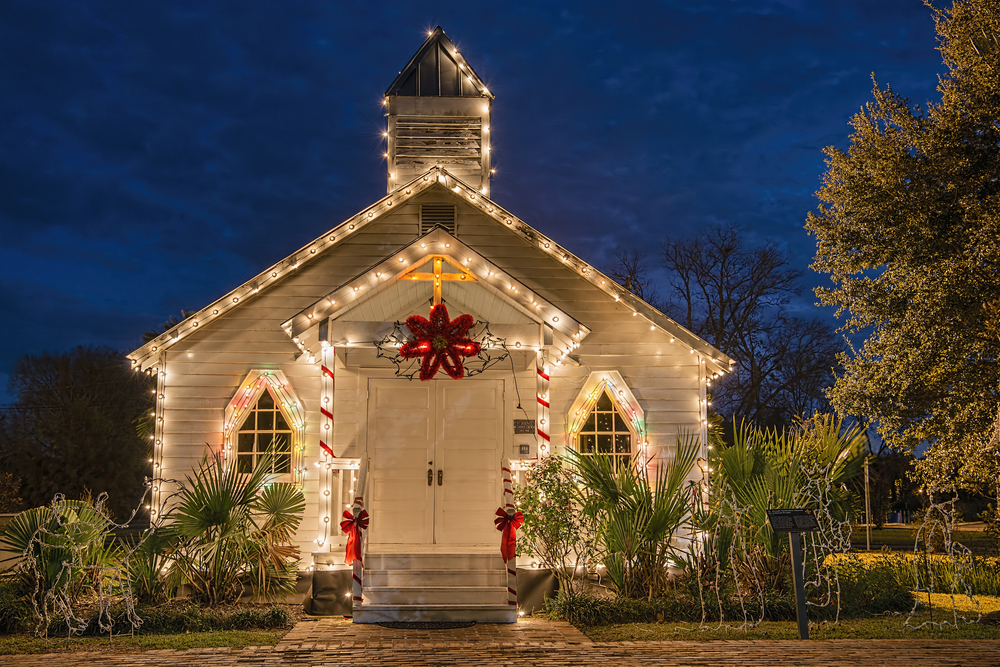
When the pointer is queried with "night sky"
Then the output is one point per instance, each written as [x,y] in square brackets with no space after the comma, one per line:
[154,155]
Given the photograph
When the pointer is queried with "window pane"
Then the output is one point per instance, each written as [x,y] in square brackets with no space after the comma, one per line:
[244,463]
[604,421]
[589,425]
[265,421]
[279,422]
[587,444]
[604,402]
[603,443]
[283,463]
[620,423]
[281,442]
[623,444]
[245,442]
[265,402]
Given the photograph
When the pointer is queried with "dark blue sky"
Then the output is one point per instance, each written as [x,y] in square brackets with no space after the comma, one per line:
[155,155]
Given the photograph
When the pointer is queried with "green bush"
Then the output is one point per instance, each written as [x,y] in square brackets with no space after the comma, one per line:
[183,617]
[15,609]
[872,585]
[675,606]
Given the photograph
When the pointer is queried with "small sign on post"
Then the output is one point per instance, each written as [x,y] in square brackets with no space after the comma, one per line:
[793,522]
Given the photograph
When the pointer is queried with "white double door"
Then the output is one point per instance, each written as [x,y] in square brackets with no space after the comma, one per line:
[434,461]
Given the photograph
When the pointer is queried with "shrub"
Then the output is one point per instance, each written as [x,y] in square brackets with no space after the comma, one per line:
[233,531]
[555,527]
[638,511]
[15,610]
[64,558]
[872,583]
[179,617]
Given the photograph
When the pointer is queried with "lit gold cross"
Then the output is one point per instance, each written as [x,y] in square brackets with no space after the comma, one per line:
[438,275]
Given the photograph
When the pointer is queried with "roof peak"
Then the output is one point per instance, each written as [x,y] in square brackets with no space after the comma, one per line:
[437,69]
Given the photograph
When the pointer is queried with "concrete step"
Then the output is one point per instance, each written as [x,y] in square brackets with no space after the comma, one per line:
[481,613]
[408,577]
[433,561]
[424,595]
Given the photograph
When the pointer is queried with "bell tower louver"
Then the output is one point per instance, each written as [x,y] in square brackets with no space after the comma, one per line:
[439,115]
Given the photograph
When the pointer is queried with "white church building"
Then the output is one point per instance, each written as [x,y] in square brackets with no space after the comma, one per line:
[307,353]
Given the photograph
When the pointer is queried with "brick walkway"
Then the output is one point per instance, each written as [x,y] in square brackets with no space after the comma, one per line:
[329,642]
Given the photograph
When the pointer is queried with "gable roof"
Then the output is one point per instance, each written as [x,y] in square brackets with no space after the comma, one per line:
[438,241]
[437,48]
[147,355]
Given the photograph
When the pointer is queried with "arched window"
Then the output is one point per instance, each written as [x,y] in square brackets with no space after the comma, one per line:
[264,413]
[605,430]
[265,427]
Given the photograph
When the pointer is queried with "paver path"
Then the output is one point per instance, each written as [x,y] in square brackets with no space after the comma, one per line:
[330,642]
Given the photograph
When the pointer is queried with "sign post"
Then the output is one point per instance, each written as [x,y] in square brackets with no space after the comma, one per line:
[794,522]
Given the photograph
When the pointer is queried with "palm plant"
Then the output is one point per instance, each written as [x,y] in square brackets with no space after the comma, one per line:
[233,531]
[62,556]
[639,509]
[771,469]
[764,469]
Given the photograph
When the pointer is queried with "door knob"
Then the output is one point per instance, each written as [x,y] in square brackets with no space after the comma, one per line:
[430,477]
[440,477]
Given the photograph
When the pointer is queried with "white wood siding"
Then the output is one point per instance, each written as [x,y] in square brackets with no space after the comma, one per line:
[204,369]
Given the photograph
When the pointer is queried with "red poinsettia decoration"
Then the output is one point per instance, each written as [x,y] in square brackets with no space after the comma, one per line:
[441,342]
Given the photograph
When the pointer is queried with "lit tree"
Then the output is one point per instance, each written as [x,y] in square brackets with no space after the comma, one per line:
[909,234]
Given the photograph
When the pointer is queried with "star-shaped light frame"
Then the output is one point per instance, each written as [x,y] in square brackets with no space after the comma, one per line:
[441,342]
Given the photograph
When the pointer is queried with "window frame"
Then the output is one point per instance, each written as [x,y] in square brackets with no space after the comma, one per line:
[611,384]
[244,403]
[615,411]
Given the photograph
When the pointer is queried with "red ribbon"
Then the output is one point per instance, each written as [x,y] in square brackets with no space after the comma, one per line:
[352,525]
[508,523]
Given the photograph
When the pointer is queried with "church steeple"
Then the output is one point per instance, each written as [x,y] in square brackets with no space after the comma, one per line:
[439,115]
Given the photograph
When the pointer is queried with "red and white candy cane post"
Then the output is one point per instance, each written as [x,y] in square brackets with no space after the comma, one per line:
[543,439]
[356,510]
[507,521]
[327,501]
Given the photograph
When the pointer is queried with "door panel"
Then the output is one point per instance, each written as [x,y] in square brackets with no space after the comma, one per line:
[400,445]
[447,425]
[469,444]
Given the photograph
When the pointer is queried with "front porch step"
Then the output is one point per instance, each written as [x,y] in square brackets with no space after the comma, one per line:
[480,613]
[434,586]
[433,561]
[436,595]
[399,578]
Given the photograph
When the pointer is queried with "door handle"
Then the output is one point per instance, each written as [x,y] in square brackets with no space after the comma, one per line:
[440,477]
[430,477]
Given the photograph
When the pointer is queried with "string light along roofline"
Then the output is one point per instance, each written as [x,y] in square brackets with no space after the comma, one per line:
[146,356]
[436,243]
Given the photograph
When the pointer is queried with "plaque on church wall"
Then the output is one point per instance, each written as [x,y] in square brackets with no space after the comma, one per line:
[523,426]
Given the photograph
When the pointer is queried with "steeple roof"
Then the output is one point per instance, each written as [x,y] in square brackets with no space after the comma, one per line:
[437,69]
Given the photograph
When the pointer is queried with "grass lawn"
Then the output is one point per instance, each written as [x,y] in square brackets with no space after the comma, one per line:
[905,537]
[882,627]
[16,644]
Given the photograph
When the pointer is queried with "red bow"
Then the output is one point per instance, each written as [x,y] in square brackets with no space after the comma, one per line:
[508,523]
[352,525]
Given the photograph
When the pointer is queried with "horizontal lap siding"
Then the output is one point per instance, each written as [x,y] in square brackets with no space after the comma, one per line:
[205,368]
[663,376]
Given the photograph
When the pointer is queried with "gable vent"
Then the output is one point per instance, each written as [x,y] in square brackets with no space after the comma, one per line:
[442,215]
